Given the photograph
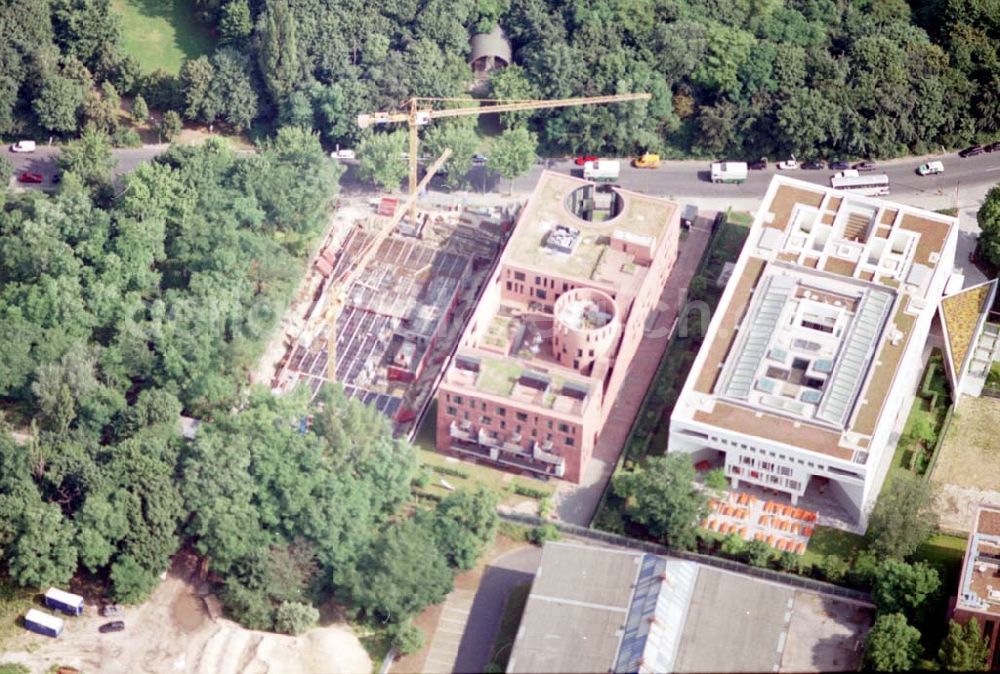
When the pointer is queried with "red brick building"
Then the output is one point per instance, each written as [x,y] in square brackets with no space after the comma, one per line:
[979,587]
[547,348]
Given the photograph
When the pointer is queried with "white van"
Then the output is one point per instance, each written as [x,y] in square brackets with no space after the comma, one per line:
[930,168]
[23,146]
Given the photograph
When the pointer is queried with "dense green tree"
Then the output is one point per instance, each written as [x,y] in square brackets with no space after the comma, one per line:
[232,95]
[892,645]
[58,104]
[514,153]
[903,517]
[140,111]
[131,583]
[89,157]
[512,83]
[170,125]
[381,159]
[196,80]
[965,648]
[407,638]
[659,496]
[42,551]
[235,23]
[988,218]
[904,588]
[465,522]
[295,617]
[460,136]
[277,49]
[400,574]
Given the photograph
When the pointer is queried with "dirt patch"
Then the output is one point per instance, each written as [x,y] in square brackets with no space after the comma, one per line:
[971,442]
[825,634]
[173,633]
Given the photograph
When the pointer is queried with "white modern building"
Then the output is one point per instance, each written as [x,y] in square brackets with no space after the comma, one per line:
[811,361]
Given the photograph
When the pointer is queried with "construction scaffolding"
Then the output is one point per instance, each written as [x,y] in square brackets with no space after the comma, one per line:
[402,315]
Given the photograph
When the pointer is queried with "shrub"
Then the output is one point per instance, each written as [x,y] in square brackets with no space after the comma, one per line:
[407,638]
[126,137]
[716,479]
[788,561]
[455,472]
[295,617]
[733,546]
[544,532]
[834,568]
[530,492]
[758,553]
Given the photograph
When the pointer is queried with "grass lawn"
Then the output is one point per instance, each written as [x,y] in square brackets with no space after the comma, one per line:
[14,602]
[162,33]
[829,541]
[499,481]
[511,620]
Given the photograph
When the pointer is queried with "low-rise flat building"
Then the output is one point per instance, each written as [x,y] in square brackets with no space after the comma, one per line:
[810,363]
[597,609]
[979,587]
[557,326]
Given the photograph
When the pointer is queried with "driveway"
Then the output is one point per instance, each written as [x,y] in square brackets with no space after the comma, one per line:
[500,577]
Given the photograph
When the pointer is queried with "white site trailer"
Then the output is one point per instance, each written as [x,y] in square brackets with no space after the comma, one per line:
[730,172]
[602,170]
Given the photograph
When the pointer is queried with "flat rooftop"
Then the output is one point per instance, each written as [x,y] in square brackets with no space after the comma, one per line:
[980,588]
[637,217]
[601,610]
[817,315]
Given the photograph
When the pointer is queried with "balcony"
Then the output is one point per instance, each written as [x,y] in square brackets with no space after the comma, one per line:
[457,431]
[542,453]
[488,440]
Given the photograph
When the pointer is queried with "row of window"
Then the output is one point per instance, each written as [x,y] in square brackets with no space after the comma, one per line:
[755,450]
[777,480]
[768,466]
[502,412]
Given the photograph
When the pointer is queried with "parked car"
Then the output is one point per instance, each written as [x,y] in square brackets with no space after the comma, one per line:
[23,146]
[814,165]
[864,166]
[56,178]
[343,154]
[479,159]
[113,626]
[112,611]
[789,164]
[648,160]
[758,165]
[972,151]
[992,147]
[838,165]
[930,168]
[584,158]
[31,178]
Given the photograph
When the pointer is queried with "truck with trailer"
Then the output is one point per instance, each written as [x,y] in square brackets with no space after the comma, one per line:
[59,600]
[733,172]
[602,170]
[43,623]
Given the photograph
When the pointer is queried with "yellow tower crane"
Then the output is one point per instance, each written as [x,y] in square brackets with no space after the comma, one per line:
[339,285]
[419,112]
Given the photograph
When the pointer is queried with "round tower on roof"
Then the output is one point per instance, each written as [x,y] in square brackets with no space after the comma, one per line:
[585,326]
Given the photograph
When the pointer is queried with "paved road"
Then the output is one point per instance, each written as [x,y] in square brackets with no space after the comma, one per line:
[965,179]
[501,576]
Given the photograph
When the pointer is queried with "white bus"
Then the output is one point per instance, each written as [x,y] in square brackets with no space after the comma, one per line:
[872,185]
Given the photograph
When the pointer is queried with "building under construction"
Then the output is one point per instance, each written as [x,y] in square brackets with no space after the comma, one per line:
[402,315]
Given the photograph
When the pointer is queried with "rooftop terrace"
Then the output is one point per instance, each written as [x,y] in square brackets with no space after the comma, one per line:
[639,217]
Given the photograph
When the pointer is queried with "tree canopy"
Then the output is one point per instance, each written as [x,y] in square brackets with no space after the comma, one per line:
[903,517]
[965,648]
[892,645]
[659,495]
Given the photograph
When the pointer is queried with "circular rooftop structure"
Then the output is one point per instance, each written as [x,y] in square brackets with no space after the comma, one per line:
[585,326]
[591,204]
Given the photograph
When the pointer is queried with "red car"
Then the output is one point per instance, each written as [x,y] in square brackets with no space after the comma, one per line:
[583,159]
[31,178]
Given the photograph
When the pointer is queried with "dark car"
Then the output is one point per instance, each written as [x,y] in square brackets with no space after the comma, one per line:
[992,147]
[838,165]
[31,178]
[113,626]
[813,165]
[56,178]
[864,166]
[972,151]
[759,165]
[584,158]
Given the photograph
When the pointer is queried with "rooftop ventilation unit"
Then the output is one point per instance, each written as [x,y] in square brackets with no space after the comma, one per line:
[563,239]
